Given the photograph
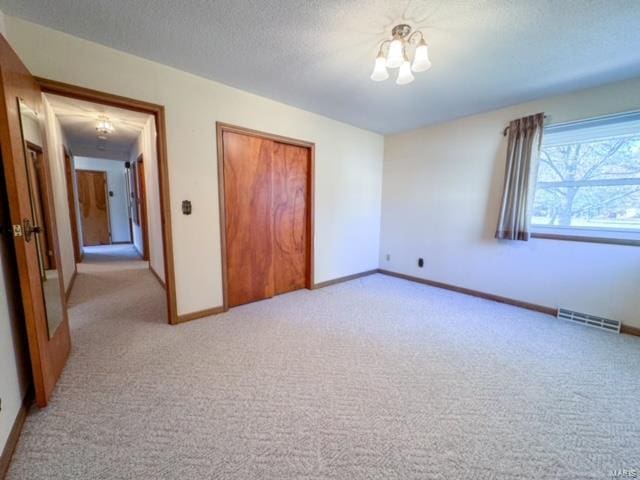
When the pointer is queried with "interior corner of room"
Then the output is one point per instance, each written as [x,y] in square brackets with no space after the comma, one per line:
[300,255]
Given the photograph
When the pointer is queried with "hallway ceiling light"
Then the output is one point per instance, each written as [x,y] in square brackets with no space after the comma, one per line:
[399,48]
[104,126]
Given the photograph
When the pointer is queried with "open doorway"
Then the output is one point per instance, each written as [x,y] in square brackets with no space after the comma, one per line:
[115,169]
[107,146]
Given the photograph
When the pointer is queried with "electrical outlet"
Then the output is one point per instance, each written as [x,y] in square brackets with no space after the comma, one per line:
[388,257]
[421,262]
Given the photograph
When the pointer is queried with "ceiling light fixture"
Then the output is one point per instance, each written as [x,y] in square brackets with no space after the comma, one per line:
[398,49]
[104,126]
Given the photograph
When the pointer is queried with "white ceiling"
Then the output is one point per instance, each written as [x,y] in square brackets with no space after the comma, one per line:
[318,54]
[79,118]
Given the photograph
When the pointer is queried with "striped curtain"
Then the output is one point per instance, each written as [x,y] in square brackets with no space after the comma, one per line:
[525,137]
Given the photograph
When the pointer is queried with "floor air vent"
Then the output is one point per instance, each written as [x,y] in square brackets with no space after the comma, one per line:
[589,320]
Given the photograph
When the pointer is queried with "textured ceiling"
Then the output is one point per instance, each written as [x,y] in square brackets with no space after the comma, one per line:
[78,120]
[318,54]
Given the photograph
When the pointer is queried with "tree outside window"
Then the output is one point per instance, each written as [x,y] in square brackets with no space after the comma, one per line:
[592,184]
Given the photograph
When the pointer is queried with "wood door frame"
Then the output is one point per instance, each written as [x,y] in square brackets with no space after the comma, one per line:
[222,127]
[142,203]
[71,200]
[106,195]
[158,112]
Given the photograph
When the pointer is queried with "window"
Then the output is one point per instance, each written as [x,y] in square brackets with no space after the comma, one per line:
[588,182]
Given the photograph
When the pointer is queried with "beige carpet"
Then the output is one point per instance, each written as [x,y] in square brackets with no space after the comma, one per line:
[377,378]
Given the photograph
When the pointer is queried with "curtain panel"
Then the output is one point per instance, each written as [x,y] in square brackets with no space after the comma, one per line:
[523,148]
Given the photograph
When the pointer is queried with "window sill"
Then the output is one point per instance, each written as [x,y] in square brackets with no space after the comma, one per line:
[634,242]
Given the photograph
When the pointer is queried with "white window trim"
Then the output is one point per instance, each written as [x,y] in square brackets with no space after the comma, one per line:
[632,236]
[619,236]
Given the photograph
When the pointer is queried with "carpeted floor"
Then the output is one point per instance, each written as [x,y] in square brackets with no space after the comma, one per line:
[377,378]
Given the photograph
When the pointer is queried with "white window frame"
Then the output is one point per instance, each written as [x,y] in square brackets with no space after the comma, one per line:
[618,236]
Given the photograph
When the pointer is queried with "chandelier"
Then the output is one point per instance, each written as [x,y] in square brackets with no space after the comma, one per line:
[398,50]
[104,127]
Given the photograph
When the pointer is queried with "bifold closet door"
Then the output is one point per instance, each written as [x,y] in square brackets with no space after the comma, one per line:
[248,180]
[266,188]
[290,211]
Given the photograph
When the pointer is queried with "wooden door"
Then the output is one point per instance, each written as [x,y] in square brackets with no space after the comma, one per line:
[249,226]
[48,347]
[290,216]
[71,201]
[94,207]
[267,216]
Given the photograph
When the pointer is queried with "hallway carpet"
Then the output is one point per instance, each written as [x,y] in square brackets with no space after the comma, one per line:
[377,378]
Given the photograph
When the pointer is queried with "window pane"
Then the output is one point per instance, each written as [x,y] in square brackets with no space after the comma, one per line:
[590,182]
[603,208]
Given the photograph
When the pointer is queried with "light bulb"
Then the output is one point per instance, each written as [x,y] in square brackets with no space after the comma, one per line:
[421,60]
[395,55]
[404,74]
[104,126]
[380,69]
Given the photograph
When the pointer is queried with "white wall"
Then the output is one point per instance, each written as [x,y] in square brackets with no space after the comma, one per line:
[441,193]
[146,145]
[14,373]
[55,142]
[348,170]
[116,183]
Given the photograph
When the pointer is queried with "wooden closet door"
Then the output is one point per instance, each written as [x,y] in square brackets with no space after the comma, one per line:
[248,171]
[290,211]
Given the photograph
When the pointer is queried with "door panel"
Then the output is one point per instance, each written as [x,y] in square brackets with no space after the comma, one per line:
[249,226]
[37,175]
[48,349]
[94,207]
[290,178]
[43,215]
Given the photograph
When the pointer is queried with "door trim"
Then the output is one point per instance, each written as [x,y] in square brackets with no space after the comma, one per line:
[222,127]
[81,93]
[71,200]
[142,199]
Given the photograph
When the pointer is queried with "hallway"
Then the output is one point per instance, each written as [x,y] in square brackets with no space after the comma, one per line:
[116,304]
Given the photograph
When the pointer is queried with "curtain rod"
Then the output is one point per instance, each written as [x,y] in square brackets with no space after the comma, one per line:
[506,129]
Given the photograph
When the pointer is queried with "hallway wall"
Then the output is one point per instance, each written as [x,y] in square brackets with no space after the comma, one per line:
[348,164]
[116,182]
[146,145]
[55,142]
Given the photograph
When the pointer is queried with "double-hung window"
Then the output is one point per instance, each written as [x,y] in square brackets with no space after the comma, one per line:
[588,181]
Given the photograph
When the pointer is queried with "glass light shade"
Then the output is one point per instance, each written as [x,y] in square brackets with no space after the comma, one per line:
[395,56]
[380,69]
[421,60]
[104,126]
[404,74]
